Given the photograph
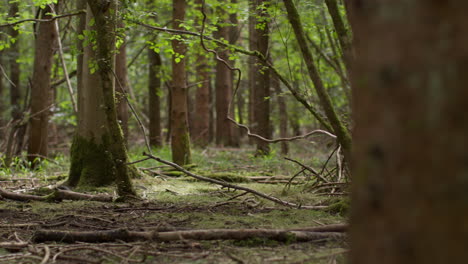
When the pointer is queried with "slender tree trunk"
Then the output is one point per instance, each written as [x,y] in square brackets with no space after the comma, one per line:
[98,154]
[253,67]
[344,137]
[283,114]
[224,128]
[261,79]
[234,33]
[41,92]
[2,101]
[15,88]
[169,113]
[180,138]
[410,157]
[122,88]
[344,36]
[201,122]
[154,107]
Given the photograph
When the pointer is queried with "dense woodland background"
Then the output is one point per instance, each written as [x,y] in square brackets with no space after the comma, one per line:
[368,92]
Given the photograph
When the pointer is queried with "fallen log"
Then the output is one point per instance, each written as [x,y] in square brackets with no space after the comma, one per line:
[282,235]
[56,195]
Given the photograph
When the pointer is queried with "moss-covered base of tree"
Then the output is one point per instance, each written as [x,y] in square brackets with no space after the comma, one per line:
[181,154]
[93,165]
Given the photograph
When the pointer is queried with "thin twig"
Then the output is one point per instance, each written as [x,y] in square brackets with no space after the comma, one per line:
[64,64]
[134,112]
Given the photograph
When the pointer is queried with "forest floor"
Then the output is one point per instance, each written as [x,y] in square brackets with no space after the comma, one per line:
[175,202]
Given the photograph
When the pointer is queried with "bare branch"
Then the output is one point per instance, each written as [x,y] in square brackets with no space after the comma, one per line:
[42,20]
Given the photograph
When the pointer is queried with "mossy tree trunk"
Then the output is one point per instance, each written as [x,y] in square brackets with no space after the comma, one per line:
[98,154]
[180,138]
[410,174]
[342,133]
[41,92]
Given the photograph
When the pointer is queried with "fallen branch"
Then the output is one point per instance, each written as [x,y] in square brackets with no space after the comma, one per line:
[13,245]
[202,234]
[57,195]
[233,186]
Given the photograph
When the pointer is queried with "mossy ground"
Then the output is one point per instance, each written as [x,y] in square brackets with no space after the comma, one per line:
[175,202]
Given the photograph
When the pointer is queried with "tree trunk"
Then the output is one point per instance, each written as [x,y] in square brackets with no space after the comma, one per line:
[122,87]
[343,136]
[2,101]
[41,92]
[410,159]
[252,68]
[154,90]
[261,78]
[283,114]
[344,36]
[15,89]
[201,121]
[224,127]
[98,154]
[180,138]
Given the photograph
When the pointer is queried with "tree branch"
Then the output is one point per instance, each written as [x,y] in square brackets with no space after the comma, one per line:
[42,20]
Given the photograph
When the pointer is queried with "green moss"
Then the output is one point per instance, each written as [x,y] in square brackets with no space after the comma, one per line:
[91,163]
[97,165]
[223,176]
[181,153]
[339,207]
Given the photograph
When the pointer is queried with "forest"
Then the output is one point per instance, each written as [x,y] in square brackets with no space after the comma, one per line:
[233,131]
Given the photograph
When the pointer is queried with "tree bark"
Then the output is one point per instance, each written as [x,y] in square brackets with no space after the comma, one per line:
[98,154]
[252,68]
[261,78]
[410,159]
[344,36]
[223,80]
[15,88]
[2,101]
[180,138]
[344,137]
[122,87]
[283,235]
[283,115]
[155,92]
[201,122]
[41,92]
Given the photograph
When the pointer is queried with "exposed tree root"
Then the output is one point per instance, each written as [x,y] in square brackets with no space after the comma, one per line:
[57,195]
[283,235]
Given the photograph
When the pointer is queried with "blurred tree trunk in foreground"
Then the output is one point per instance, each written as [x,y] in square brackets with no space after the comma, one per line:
[410,174]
